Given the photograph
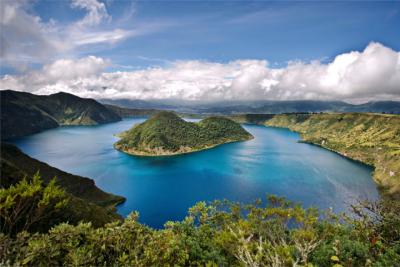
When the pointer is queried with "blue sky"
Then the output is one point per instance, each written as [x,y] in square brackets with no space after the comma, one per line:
[213,50]
[228,30]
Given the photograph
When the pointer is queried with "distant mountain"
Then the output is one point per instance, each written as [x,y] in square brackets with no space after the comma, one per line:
[86,201]
[392,107]
[138,104]
[274,107]
[166,133]
[260,107]
[131,112]
[25,113]
[277,107]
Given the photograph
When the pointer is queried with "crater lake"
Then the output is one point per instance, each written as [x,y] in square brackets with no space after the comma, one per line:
[164,188]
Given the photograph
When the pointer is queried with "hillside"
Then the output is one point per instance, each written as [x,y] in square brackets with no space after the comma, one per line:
[25,113]
[88,202]
[167,134]
[370,138]
[131,112]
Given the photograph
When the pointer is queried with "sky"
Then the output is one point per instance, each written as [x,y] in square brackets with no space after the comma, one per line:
[202,50]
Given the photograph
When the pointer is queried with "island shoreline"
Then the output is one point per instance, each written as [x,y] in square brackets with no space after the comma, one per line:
[179,153]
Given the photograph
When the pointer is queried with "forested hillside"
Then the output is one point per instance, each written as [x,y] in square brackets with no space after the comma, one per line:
[167,134]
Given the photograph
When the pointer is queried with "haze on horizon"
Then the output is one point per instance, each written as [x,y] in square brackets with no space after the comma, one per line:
[202,51]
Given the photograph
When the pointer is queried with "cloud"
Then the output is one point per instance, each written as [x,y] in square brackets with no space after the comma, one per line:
[26,39]
[59,74]
[371,74]
[96,12]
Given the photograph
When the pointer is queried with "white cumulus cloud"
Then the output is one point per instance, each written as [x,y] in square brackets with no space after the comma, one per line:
[372,74]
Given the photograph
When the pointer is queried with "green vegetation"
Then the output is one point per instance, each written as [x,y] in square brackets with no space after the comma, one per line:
[28,203]
[273,233]
[87,202]
[24,113]
[167,134]
[251,118]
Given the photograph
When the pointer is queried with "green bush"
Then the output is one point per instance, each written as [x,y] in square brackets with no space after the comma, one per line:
[28,204]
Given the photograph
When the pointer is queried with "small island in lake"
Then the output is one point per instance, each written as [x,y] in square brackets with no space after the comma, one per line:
[166,133]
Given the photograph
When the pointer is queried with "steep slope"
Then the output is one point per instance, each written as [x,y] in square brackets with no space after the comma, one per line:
[87,201]
[370,138]
[25,113]
[167,134]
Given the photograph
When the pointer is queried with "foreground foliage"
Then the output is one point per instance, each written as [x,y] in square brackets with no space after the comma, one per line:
[270,233]
[87,202]
[28,203]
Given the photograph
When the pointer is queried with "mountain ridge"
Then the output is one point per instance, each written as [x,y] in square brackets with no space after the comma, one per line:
[258,106]
[24,113]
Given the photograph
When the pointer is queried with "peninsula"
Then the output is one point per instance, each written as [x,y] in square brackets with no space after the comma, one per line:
[166,133]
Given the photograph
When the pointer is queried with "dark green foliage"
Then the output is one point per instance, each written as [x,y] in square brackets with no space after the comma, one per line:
[25,113]
[28,204]
[278,233]
[86,201]
[167,133]
[15,165]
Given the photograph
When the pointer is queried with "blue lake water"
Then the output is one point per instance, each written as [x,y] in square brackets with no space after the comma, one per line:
[163,188]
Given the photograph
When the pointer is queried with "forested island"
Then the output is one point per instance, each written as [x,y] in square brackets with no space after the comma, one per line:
[167,134]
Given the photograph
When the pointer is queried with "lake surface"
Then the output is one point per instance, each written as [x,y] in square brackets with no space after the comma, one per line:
[163,188]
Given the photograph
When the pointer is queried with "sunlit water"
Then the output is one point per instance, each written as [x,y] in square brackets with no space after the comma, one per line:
[163,188]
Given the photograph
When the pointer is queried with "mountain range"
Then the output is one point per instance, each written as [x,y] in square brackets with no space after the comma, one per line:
[25,113]
[261,106]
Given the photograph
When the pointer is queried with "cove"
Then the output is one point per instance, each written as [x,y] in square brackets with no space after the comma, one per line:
[163,188]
